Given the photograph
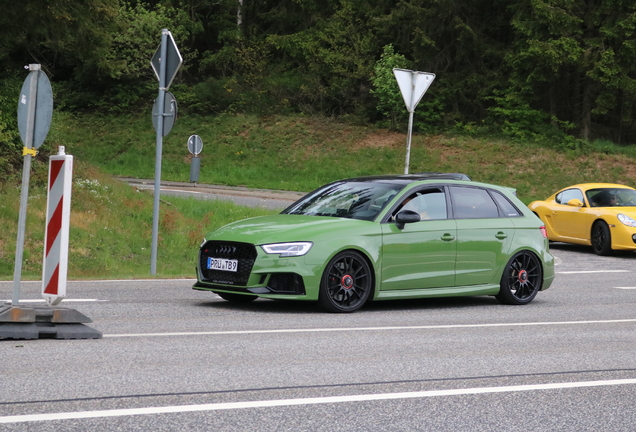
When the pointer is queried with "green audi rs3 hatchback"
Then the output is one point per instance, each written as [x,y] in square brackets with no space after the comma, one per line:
[383,237]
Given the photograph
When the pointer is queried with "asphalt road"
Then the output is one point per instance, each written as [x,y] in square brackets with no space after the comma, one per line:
[250,197]
[177,359]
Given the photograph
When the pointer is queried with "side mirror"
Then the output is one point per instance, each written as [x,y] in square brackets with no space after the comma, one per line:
[575,203]
[406,216]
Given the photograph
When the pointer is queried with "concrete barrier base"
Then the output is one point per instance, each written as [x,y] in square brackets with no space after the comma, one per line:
[33,322]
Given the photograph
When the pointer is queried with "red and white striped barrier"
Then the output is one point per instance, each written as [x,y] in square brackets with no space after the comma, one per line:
[58,215]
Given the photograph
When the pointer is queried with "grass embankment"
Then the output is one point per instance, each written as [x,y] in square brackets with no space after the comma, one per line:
[111,229]
[111,222]
[301,153]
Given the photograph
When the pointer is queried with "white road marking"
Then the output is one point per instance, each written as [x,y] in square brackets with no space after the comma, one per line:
[137,280]
[184,191]
[306,401]
[593,271]
[63,301]
[108,281]
[350,329]
[626,288]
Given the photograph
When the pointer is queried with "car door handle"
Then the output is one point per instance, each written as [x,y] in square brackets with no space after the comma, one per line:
[501,235]
[448,237]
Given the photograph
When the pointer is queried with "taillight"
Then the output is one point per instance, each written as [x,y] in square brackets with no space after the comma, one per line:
[544,231]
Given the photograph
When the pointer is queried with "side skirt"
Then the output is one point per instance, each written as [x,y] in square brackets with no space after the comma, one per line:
[474,290]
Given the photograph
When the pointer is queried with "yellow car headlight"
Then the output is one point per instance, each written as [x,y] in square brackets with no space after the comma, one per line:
[626,220]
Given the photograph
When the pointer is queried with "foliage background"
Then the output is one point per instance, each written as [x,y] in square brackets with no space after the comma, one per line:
[530,69]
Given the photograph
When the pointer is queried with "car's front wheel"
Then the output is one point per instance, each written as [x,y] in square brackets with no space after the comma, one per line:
[601,238]
[347,283]
[521,279]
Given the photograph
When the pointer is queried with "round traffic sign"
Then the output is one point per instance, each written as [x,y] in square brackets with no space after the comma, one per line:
[169,113]
[35,108]
[195,144]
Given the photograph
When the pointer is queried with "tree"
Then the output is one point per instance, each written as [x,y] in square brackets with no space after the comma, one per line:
[385,87]
[462,42]
[140,35]
[334,57]
[575,60]
[65,36]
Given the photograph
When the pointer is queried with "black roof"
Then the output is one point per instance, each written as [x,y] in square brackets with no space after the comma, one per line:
[407,178]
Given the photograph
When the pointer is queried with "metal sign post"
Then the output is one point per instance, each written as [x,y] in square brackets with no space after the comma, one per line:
[35,110]
[165,63]
[413,85]
[195,145]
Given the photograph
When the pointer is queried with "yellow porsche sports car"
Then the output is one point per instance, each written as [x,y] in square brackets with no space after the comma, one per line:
[601,215]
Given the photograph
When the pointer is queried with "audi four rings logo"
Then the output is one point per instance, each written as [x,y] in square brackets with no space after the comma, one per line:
[225,250]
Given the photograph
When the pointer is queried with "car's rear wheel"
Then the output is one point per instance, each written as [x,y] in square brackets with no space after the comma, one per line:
[601,238]
[236,298]
[347,283]
[521,279]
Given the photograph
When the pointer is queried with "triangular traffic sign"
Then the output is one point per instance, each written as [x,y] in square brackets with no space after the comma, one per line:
[413,85]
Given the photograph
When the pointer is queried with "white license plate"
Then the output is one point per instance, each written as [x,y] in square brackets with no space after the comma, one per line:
[222,264]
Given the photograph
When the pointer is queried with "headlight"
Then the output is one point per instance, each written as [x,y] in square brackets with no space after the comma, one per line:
[288,249]
[626,220]
[203,242]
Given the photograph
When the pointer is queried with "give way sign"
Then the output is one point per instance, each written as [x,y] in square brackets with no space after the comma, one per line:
[413,85]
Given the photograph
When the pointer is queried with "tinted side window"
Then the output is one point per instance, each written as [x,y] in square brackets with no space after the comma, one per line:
[432,205]
[428,203]
[507,208]
[436,205]
[567,195]
[473,203]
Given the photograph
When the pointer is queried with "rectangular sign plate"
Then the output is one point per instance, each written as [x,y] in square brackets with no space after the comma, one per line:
[222,264]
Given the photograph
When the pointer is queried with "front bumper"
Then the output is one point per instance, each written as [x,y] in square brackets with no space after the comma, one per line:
[623,237]
[257,272]
[288,284]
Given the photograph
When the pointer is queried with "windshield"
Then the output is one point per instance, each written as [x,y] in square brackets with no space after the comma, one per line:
[611,197]
[354,200]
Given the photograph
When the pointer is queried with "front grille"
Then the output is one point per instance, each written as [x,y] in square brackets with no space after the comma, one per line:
[244,253]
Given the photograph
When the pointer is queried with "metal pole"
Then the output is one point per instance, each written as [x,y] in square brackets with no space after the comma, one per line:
[26,176]
[157,190]
[19,252]
[410,132]
[408,143]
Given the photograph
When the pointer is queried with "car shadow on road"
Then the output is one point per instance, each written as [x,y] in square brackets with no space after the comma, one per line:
[263,306]
[432,303]
[587,250]
[309,307]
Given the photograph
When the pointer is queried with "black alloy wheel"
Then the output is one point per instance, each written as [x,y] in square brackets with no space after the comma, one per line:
[521,280]
[601,239]
[347,283]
